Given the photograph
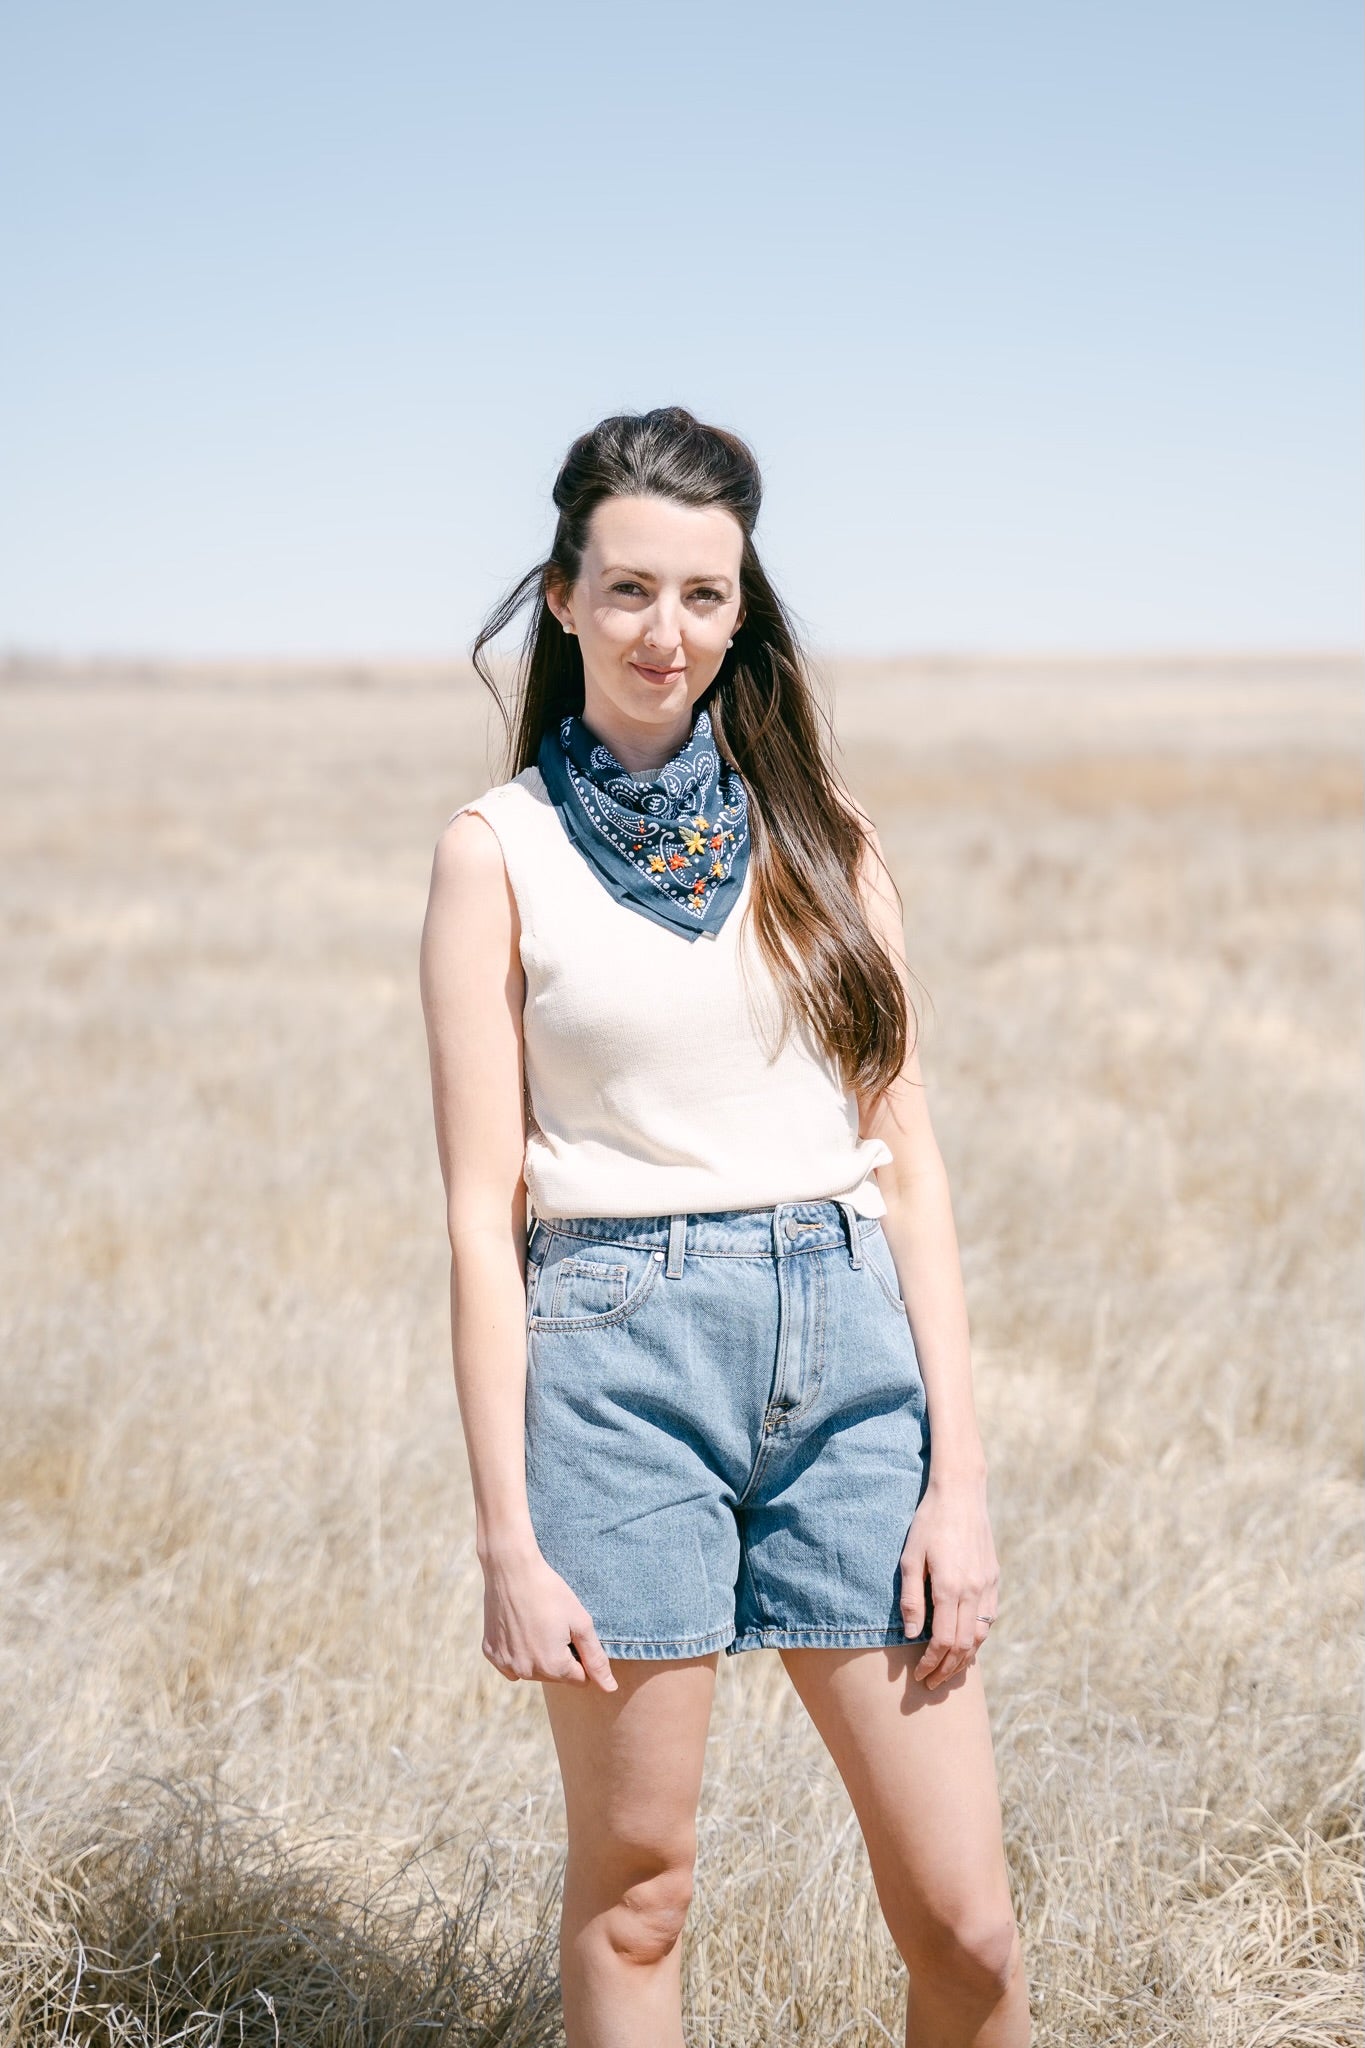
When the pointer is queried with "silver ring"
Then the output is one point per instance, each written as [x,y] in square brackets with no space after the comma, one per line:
[987,1618]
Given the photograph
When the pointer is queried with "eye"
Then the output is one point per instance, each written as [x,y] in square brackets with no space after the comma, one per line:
[713,596]
[632,589]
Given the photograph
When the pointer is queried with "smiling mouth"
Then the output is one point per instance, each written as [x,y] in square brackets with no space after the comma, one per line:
[655,675]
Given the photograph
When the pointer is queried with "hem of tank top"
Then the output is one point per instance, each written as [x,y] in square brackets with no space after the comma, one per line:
[534,1216]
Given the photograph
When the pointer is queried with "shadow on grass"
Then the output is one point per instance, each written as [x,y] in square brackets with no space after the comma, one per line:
[188,1923]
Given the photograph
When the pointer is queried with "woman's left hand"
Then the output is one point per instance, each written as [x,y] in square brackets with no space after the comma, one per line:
[950,1539]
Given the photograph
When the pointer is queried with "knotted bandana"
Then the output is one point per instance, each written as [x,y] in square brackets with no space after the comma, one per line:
[675,846]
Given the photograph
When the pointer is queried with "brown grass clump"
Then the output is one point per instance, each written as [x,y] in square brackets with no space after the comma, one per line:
[177,1920]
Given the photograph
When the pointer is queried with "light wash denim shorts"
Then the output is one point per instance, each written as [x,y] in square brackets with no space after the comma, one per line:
[727,1434]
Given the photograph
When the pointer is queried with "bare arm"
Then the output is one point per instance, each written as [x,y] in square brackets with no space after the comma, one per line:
[473,993]
[950,1538]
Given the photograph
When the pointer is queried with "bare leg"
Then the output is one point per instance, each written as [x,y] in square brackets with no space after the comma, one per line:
[631,1762]
[919,1768]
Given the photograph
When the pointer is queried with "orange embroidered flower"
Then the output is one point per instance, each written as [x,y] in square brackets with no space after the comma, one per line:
[675,860]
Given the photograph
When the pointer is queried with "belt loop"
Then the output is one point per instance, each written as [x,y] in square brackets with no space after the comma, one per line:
[855,1242]
[677,1245]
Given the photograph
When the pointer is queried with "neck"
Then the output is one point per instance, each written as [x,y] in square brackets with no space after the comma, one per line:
[641,747]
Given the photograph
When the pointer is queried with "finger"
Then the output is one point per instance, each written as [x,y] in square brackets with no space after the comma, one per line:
[500,1661]
[940,1659]
[594,1659]
[912,1591]
[971,1603]
[571,1672]
[964,1647]
[981,1612]
[929,1670]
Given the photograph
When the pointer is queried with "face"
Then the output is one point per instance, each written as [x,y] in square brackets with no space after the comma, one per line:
[656,602]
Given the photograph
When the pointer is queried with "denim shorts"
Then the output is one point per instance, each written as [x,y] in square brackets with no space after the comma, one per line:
[727,1434]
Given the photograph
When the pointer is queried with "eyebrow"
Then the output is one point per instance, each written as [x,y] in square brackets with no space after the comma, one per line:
[648,576]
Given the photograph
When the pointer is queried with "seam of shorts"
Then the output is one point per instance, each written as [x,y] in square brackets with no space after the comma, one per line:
[639,1244]
[624,1312]
[756,1470]
[818,1639]
[675,1646]
[894,1300]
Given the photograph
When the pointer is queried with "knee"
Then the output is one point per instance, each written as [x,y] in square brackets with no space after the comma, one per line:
[645,1919]
[975,1955]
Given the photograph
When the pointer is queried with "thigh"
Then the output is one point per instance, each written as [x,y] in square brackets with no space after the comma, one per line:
[631,1761]
[919,1767]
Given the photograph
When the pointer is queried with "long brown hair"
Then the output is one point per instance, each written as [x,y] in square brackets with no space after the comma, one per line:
[806,837]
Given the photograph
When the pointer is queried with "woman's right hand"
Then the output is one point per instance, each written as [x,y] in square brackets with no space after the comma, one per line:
[533,1623]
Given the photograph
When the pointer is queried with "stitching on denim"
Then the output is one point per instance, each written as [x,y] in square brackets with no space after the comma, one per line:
[816,1348]
[847,1636]
[574,1268]
[648,1244]
[622,1313]
[667,1642]
[882,1282]
[761,1458]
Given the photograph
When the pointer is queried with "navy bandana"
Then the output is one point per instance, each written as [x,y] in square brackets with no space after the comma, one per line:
[674,847]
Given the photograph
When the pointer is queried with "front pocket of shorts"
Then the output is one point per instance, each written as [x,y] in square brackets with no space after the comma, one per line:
[592,1290]
[588,1287]
[879,1262]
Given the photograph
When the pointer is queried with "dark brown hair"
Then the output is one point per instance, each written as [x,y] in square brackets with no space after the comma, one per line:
[806,836]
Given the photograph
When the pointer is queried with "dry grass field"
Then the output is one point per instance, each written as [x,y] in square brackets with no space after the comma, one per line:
[259,1783]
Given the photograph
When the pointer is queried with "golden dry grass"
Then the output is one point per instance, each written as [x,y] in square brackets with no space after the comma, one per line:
[236,1548]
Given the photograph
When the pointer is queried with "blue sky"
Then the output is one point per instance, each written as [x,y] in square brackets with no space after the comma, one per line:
[1044,321]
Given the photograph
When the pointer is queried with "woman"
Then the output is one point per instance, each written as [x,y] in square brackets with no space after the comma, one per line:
[666,1000]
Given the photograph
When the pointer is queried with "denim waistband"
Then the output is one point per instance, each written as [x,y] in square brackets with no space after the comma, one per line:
[784,1228]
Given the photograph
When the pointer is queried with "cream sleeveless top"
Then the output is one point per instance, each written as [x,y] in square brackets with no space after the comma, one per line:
[652,1080]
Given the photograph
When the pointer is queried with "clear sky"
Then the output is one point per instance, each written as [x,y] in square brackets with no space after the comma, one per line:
[1045,321]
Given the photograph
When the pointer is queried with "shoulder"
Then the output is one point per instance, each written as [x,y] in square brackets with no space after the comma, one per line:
[469,841]
[469,857]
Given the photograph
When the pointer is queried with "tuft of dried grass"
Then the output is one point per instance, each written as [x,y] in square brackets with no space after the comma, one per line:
[188,1919]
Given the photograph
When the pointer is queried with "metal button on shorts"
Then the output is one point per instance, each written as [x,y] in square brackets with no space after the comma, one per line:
[727,1434]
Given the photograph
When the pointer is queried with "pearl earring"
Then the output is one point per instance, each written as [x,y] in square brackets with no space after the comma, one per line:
[729,643]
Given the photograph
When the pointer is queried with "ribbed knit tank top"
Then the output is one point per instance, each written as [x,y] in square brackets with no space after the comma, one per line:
[652,1077]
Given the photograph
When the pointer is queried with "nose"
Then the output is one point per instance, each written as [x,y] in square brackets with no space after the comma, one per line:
[661,630]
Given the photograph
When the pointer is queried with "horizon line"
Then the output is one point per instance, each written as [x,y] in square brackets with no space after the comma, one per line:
[17,656]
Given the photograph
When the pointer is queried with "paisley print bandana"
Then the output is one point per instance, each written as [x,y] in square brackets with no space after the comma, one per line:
[675,847]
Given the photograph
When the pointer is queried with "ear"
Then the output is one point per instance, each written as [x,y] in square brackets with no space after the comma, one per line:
[556,599]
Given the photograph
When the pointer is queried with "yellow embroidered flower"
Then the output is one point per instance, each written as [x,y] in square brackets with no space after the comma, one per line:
[716,868]
[657,863]
[691,840]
